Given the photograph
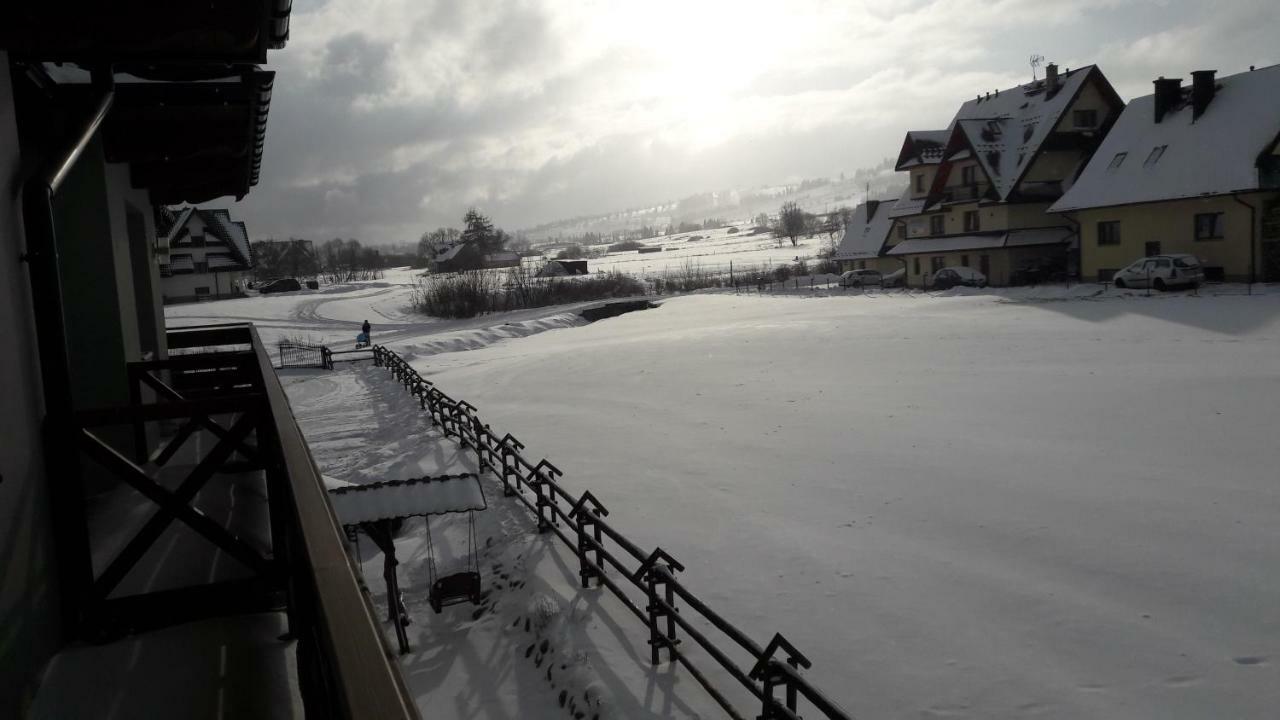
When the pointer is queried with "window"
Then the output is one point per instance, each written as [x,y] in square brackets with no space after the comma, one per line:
[964,261]
[936,263]
[969,175]
[1085,118]
[1154,157]
[1118,160]
[919,182]
[984,265]
[197,241]
[1209,226]
[971,220]
[201,266]
[937,224]
[915,266]
[1109,232]
[902,231]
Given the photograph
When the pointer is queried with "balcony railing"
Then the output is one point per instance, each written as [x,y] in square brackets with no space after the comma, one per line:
[218,385]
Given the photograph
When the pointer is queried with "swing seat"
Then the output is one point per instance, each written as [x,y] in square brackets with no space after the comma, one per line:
[454,589]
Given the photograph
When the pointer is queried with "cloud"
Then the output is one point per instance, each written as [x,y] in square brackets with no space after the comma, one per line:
[391,117]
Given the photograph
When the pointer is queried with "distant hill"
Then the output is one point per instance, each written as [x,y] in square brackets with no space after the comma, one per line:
[734,206]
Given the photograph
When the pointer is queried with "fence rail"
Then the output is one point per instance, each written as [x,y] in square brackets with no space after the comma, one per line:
[644,582]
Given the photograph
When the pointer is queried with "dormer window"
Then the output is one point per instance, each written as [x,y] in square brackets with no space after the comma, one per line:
[1085,119]
[1118,160]
[919,182]
[969,175]
[1156,153]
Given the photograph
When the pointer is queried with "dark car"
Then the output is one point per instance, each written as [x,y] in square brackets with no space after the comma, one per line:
[280,285]
[953,276]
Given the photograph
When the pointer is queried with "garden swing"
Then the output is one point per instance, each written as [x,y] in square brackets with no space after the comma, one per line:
[378,510]
[455,587]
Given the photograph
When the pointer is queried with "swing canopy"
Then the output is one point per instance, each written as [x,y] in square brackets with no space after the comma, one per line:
[397,499]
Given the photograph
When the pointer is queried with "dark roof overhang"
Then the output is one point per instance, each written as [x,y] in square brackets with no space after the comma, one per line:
[175,32]
[189,141]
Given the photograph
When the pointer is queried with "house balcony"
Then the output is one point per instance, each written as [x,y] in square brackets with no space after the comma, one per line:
[207,574]
[965,193]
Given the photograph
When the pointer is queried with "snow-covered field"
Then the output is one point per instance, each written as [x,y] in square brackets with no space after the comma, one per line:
[712,250]
[1038,503]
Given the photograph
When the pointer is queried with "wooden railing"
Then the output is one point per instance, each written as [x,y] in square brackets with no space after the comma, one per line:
[644,582]
[229,390]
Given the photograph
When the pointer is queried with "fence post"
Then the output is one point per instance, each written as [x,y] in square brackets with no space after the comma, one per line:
[510,446]
[543,500]
[768,671]
[589,527]
[658,577]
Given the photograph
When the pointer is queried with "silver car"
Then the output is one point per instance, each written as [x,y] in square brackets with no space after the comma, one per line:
[1161,272]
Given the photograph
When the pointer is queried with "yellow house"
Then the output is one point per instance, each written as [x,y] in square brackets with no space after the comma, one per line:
[979,191]
[1189,169]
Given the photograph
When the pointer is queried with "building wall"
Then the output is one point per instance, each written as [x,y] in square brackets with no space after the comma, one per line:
[1090,98]
[182,287]
[1172,224]
[29,613]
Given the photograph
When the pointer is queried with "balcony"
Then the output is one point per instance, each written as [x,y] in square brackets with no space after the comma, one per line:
[211,572]
[966,193]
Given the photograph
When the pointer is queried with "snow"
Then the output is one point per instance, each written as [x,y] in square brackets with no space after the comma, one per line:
[1215,154]
[402,499]
[1054,502]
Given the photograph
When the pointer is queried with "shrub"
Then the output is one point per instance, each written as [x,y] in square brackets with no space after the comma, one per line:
[467,294]
[626,245]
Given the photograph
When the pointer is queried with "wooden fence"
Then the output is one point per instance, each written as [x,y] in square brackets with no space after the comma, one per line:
[644,582]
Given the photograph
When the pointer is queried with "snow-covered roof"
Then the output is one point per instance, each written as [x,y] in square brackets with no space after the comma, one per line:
[1214,154]
[230,232]
[407,498]
[450,253]
[1039,236]
[907,205]
[866,232]
[1005,131]
[922,147]
[984,241]
[219,261]
[947,244]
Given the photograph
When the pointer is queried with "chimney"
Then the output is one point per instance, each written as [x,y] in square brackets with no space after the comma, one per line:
[872,206]
[1203,87]
[1051,78]
[1168,93]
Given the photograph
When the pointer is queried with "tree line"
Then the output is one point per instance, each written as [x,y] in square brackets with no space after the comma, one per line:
[335,260]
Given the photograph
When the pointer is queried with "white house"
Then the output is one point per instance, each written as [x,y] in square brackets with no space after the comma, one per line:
[209,255]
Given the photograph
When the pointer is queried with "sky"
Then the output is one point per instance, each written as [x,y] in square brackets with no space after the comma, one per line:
[391,117]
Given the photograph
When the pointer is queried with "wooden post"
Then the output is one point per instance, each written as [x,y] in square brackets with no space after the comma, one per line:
[589,528]
[767,671]
[657,577]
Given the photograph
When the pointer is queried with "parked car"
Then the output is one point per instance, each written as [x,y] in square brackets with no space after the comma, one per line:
[950,277]
[280,285]
[859,278]
[1161,272]
[897,278]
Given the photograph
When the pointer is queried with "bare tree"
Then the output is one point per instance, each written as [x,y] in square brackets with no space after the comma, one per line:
[792,222]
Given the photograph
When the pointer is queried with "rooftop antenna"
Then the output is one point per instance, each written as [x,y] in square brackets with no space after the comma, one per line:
[1036,62]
